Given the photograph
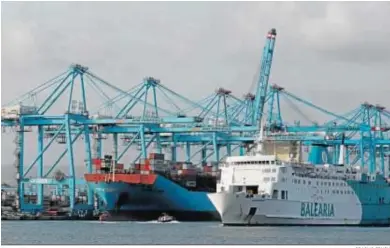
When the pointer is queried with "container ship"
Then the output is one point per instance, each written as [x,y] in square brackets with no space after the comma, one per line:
[154,186]
[261,189]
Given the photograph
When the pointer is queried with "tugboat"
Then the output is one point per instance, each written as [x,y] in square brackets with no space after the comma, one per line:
[165,218]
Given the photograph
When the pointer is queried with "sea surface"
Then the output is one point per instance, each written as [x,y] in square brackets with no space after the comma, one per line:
[94,232]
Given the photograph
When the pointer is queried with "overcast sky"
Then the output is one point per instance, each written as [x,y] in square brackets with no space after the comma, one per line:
[334,54]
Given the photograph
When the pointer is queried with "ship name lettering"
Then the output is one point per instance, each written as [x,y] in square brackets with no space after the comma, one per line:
[315,209]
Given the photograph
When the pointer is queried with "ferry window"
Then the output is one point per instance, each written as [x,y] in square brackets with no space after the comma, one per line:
[333,192]
[273,179]
[299,181]
[317,183]
[286,195]
[266,162]
[341,192]
[283,169]
[273,170]
[333,184]
[266,179]
[283,194]
[309,182]
[303,181]
[337,191]
[337,184]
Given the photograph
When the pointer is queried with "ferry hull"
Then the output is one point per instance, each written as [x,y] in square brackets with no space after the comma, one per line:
[238,210]
[147,202]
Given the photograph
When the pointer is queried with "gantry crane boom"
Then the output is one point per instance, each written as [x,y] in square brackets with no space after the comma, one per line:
[265,71]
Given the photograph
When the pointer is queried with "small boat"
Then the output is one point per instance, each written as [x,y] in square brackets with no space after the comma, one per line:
[104,216]
[165,218]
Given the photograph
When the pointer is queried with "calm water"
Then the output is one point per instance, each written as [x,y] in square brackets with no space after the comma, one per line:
[75,232]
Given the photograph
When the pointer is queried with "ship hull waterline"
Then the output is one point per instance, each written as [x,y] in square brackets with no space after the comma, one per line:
[139,202]
[239,210]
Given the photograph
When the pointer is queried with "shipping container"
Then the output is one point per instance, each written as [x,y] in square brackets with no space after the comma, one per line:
[119,166]
[188,172]
[157,156]
[13,112]
[97,161]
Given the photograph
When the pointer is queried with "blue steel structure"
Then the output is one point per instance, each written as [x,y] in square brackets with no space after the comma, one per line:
[221,120]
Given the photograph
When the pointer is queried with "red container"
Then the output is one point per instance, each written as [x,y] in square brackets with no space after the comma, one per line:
[96,161]
[188,172]
[119,166]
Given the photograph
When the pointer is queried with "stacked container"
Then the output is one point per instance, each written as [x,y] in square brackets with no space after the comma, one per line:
[157,162]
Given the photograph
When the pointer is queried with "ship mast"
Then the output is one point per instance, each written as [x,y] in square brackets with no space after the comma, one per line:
[342,147]
[260,139]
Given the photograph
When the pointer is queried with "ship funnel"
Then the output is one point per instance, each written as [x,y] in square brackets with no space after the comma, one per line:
[342,148]
[260,139]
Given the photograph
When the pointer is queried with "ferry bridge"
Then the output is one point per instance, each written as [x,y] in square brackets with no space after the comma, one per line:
[150,114]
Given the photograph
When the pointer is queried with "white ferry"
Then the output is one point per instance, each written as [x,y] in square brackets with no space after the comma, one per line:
[264,190]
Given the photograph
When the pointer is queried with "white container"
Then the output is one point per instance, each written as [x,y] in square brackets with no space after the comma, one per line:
[13,112]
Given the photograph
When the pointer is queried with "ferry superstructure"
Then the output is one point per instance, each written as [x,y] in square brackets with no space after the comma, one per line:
[263,190]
